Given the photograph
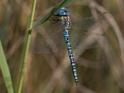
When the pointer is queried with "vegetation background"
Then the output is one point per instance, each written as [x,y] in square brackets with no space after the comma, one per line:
[96,37]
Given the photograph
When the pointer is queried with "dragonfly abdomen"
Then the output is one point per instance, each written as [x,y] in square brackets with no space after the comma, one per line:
[63,13]
[71,56]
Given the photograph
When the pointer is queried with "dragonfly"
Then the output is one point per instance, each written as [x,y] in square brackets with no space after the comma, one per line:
[63,13]
[61,25]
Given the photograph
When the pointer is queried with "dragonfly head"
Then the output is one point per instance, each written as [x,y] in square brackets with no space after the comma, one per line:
[62,12]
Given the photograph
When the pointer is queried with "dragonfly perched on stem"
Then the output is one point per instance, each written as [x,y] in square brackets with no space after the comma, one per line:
[63,13]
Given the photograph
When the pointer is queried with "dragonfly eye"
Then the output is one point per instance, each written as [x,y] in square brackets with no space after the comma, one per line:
[62,12]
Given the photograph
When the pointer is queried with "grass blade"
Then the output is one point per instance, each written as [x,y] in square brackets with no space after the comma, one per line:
[5,71]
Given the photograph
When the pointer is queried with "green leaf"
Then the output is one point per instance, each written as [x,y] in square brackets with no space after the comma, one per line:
[5,71]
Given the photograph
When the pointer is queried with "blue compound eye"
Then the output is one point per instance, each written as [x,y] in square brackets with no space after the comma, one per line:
[62,12]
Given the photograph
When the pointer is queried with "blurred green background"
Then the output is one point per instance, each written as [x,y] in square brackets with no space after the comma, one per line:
[95,40]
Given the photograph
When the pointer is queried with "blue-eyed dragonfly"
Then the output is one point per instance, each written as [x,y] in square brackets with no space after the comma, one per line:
[65,20]
[40,47]
[62,15]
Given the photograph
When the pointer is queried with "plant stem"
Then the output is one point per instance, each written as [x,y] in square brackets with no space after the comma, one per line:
[26,48]
[28,37]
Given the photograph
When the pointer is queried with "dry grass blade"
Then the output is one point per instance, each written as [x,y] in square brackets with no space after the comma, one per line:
[84,89]
[114,25]
[49,40]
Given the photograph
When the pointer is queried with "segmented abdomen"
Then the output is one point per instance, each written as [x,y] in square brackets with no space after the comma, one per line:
[71,56]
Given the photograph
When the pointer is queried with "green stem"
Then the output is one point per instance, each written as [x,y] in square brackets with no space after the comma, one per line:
[26,48]
[28,37]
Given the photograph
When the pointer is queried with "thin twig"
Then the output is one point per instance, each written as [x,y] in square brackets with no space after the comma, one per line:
[14,48]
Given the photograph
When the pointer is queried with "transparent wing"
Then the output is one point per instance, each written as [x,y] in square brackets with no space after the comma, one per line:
[50,38]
